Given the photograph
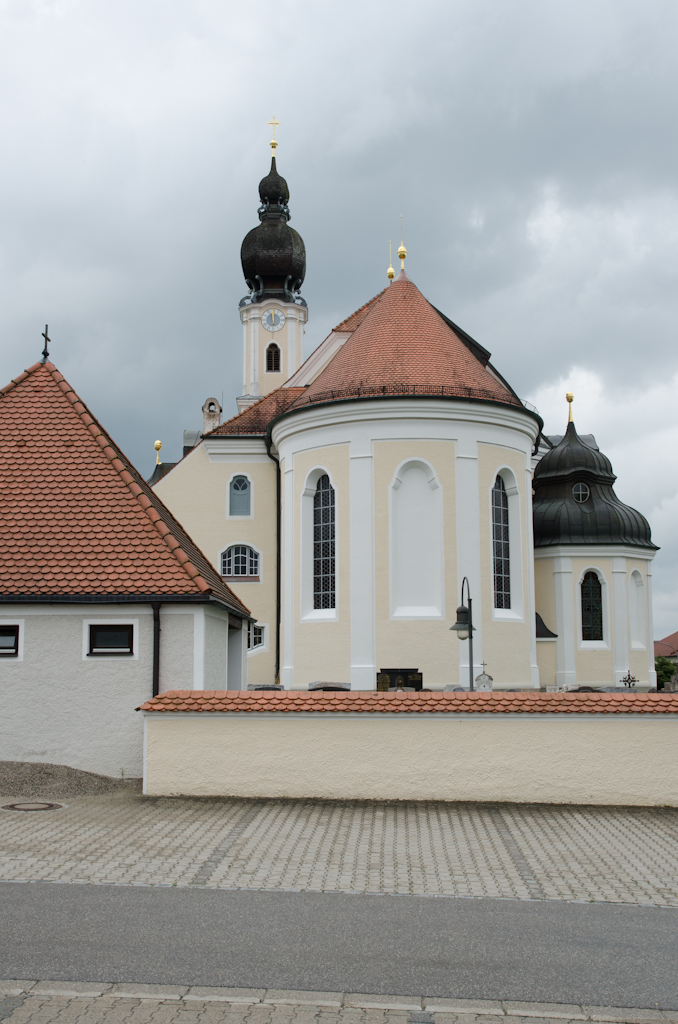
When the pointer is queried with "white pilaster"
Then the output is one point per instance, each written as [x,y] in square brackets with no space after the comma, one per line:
[243,317]
[292,332]
[652,675]
[565,623]
[199,649]
[531,600]
[255,319]
[288,610]
[361,532]
[620,619]
[468,553]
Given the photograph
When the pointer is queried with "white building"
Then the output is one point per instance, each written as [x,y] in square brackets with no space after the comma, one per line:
[104,598]
[347,505]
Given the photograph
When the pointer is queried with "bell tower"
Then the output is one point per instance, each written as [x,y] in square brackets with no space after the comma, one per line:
[273,315]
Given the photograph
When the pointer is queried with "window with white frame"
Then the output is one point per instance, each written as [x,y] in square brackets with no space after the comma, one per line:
[591,607]
[255,636]
[323,545]
[240,562]
[240,491]
[9,641]
[501,556]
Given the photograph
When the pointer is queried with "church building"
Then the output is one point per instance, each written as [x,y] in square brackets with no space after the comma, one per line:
[354,493]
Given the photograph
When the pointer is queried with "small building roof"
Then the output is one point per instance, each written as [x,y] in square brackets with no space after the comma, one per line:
[380,702]
[662,648]
[257,417]
[76,518]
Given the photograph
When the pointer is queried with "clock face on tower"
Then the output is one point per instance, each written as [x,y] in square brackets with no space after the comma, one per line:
[273,319]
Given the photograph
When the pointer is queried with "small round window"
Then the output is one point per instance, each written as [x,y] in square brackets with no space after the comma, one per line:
[581,493]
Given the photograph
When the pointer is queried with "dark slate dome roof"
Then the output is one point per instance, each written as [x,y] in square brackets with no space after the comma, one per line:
[601,519]
[273,255]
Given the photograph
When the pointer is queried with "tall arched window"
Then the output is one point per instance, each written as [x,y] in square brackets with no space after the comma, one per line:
[591,607]
[239,496]
[240,561]
[323,544]
[272,358]
[500,545]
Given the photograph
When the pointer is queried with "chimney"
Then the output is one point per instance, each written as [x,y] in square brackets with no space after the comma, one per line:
[211,415]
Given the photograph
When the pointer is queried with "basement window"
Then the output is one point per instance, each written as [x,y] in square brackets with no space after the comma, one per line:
[9,641]
[111,639]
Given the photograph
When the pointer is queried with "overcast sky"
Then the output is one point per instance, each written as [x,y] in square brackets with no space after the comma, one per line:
[529,144]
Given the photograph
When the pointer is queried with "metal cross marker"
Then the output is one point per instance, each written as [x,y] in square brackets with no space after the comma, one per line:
[45,352]
[274,124]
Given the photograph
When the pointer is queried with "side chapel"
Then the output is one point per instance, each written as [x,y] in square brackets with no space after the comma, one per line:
[352,493]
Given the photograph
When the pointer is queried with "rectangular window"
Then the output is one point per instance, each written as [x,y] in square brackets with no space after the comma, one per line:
[9,641]
[111,639]
[255,636]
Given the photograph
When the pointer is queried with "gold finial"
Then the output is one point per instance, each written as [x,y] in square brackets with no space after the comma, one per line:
[390,273]
[274,124]
[570,397]
[402,251]
[158,446]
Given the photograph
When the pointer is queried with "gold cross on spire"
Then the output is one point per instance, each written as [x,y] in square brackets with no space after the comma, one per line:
[274,124]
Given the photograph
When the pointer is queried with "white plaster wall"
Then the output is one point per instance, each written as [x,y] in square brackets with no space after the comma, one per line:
[578,759]
[216,650]
[257,381]
[176,649]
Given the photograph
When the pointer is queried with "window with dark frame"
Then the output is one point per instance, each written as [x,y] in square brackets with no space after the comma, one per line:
[323,545]
[111,639]
[591,607]
[9,641]
[239,497]
[240,561]
[272,358]
[500,545]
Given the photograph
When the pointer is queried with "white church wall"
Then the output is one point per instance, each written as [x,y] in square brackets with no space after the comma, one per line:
[507,633]
[405,641]
[196,491]
[416,549]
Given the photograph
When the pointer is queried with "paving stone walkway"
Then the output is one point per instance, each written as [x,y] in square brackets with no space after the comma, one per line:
[26,1002]
[618,855]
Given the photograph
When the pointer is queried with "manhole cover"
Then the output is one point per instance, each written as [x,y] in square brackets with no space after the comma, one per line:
[31,807]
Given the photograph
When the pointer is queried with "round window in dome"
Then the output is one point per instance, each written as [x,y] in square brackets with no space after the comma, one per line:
[581,493]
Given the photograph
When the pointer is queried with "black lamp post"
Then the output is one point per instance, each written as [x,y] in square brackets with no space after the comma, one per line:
[464,627]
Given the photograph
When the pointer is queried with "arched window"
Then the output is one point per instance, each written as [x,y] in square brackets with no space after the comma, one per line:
[239,497]
[240,561]
[323,544]
[591,607]
[500,545]
[272,358]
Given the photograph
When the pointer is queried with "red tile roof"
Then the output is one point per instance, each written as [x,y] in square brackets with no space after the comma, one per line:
[352,322]
[404,346]
[256,419]
[373,701]
[662,648]
[75,516]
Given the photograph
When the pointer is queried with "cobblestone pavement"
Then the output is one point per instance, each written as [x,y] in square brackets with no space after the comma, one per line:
[618,855]
[25,1002]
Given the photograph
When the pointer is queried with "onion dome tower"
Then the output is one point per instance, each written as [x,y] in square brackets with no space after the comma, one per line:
[273,260]
[593,571]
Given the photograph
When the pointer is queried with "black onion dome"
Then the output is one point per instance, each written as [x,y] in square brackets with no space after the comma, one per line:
[273,255]
[599,519]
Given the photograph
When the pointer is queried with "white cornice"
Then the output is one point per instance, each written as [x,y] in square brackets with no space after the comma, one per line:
[318,360]
[231,444]
[380,409]
[291,310]
[595,551]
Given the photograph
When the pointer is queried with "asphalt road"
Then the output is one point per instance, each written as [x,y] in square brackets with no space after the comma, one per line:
[602,954]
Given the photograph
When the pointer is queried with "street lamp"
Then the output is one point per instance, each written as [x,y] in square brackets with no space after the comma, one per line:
[464,627]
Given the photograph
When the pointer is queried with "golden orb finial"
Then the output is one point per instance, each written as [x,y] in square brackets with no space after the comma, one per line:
[158,446]
[570,398]
[390,273]
[274,124]
[402,251]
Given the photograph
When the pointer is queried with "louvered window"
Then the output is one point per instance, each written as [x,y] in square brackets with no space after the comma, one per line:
[240,561]
[323,545]
[239,499]
[272,359]
[591,608]
[500,545]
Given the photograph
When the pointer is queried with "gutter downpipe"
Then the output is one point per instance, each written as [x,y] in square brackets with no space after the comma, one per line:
[278,562]
[155,605]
